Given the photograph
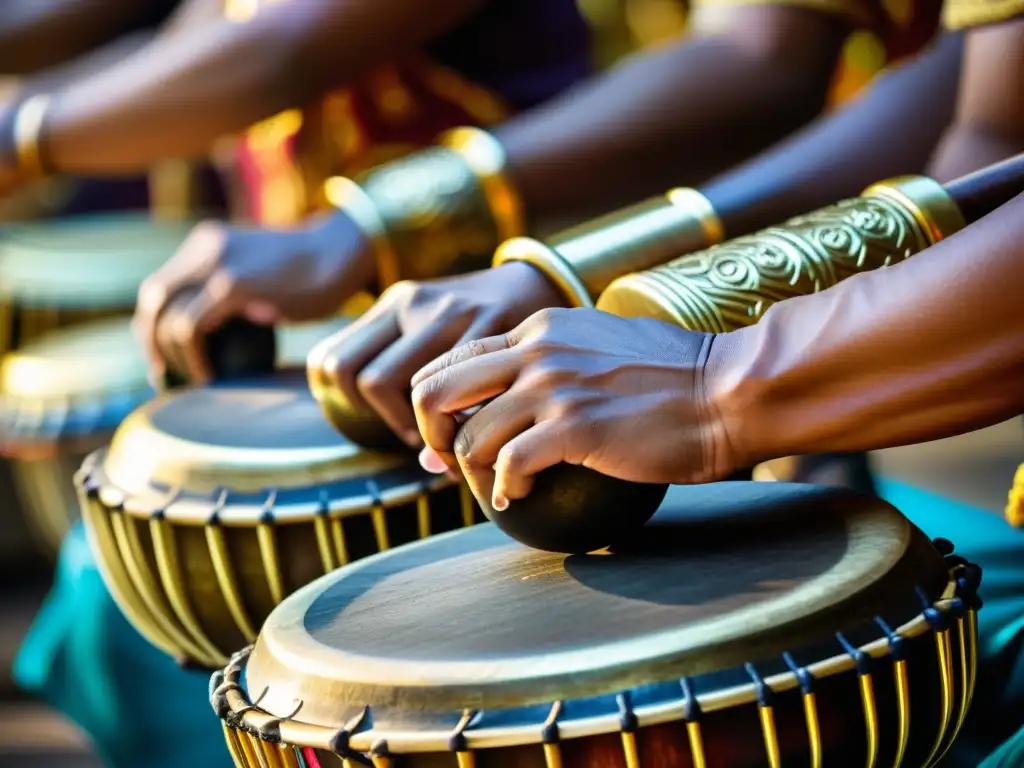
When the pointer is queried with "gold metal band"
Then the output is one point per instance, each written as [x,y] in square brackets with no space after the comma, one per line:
[439,211]
[348,197]
[28,129]
[584,260]
[926,200]
[548,261]
[734,284]
[486,159]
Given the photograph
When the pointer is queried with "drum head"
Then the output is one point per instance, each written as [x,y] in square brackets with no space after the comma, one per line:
[723,574]
[261,438]
[86,261]
[72,382]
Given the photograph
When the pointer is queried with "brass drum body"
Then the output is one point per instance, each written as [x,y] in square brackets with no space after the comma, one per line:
[749,624]
[212,505]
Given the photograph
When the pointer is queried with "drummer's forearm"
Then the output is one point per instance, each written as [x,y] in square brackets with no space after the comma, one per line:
[675,116]
[36,34]
[89,64]
[890,130]
[987,127]
[931,347]
[179,95]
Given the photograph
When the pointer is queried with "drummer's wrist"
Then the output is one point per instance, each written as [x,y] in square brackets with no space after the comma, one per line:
[338,235]
[740,389]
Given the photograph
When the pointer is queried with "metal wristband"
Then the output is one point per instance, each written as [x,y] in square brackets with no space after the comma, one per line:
[733,285]
[584,260]
[28,130]
[437,212]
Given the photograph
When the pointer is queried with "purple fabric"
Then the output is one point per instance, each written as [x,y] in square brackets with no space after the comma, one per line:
[524,50]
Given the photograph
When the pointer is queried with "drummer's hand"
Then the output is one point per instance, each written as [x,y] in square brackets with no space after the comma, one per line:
[372,360]
[627,398]
[263,275]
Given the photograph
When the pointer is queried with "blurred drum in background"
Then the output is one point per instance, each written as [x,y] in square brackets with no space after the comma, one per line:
[62,396]
[54,274]
[211,505]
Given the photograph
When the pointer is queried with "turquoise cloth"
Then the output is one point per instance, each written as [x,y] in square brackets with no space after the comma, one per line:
[987,539]
[84,659]
[140,708]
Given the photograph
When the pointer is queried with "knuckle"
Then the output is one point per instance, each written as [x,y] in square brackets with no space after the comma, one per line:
[464,446]
[223,284]
[372,383]
[182,329]
[403,292]
[425,396]
[513,460]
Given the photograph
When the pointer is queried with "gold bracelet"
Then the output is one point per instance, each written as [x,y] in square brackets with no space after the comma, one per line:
[28,129]
[548,261]
[437,212]
[734,284]
[584,260]
[348,197]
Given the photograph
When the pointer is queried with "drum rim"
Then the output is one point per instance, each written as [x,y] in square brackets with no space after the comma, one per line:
[285,645]
[38,426]
[237,710]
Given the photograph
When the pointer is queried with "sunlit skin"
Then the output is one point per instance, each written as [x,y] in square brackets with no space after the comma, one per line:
[882,132]
[870,363]
[570,158]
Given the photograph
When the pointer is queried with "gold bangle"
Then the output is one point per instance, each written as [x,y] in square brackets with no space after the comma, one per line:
[547,260]
[28,129]
[486,159]
[633,239]
[733,285]
[441,210]
[349,198]
[928,202]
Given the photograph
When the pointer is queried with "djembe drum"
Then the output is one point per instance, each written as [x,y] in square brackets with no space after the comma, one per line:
[211,505]
[63,394]
[747,624]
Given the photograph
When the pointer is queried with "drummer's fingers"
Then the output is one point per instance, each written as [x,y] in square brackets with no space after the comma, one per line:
[338,360]
[384,383]
[191,265]
[461,354]
[480,440]
[198,316]
[522,457]
[439,399]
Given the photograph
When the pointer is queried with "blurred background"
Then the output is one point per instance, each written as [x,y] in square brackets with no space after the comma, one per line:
[973,470]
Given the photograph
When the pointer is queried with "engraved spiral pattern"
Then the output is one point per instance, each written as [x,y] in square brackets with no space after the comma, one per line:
[733,284]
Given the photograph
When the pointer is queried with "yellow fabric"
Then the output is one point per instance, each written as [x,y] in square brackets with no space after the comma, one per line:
[962,14]
[1015,504]
[858,12]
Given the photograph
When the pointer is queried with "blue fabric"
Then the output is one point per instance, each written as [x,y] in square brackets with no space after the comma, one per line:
[84,659]
[1010,755]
